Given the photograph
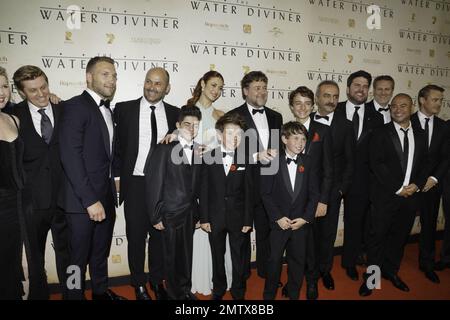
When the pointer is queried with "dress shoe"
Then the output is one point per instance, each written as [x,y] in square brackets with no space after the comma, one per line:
[142,293]
[312,293]
[352,273]
[441,265]
[284,291]
[107,295]
[432,276]
[364,291]
[396,281]
[328,281]
[189,296]
[216,297]
[280,284]
[160,291]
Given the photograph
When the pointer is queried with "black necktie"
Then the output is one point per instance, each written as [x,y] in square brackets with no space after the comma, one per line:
[224,154]
[383,109]
[317,116]
[104,103]
[46,126]
[289,160]
[427,131]
[154,128]
[355,121]
[186,146]
[405,149]
[255,111]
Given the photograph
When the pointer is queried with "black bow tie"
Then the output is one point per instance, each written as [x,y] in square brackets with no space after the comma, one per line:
[231,154]
[318,116]
[289,160]
[255,111]
[186,146]
[104,103]
[383,109]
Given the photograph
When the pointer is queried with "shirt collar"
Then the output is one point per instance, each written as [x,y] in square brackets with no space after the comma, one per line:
[377,105]
[250,107]
[423,116]
[145,103]
[35,109]
[307,124]
[94,96]
[398,127]
[183,141]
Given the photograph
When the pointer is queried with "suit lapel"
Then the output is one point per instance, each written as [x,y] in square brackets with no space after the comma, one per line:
[270,123]
[285,174]
[29,120]
[397,144]
[311,133]
[298,177]
[56,115]
[366,124]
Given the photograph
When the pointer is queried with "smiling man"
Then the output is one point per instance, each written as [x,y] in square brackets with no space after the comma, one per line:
[140,125]
[383,90]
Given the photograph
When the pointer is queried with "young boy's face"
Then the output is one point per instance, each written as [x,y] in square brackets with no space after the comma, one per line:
[188,128]
[231,136]
[295,143]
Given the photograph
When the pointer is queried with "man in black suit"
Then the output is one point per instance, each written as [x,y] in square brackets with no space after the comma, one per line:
[262,130]
[88,194]
[444,261]
[226,205]
[172,204]
[398,173]
[321,241]
[140,125]
[319,149]
[356,202]
[290,197]
[39,126]
[435,130]
[383,90]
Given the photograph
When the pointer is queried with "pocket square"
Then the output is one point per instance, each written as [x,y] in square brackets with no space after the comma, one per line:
[240,168]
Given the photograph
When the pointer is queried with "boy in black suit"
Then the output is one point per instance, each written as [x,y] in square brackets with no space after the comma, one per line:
[290,198]
[226,205]
[172,203]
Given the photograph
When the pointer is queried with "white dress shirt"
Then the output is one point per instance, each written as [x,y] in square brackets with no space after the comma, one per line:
[107,116]
[411,146]
[350,110]
[227,160]
[187,151]
[36,116]
[145,131]
[325,121]
[292,168]
[386,114]
[260,120]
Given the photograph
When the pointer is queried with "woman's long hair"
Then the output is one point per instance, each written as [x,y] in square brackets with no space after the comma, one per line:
[198,88]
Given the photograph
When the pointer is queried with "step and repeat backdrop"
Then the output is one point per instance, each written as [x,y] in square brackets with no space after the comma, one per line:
[294,42]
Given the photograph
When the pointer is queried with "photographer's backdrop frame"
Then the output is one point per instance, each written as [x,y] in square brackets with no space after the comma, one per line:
[294,42]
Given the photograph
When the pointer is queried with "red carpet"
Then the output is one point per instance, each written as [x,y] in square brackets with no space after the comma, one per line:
[346,289]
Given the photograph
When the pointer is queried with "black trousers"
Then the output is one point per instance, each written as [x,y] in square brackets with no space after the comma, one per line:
[90,243]
[429,210]
[321,238]
[391,223]
[262,236]
[356,208]
[177,245]
[138,227]
[294,242]
[239,244]
[445,250]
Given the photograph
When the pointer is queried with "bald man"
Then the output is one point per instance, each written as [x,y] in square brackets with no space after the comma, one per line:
[399,171]
[140,125]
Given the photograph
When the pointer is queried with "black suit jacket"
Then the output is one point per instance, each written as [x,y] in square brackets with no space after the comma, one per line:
[438,149]
[274,120]
[281,201]
[372,120]
[85,155]
[343,152]
[174,185]
[226,200]
[41,161]
[319,147]
[126,118]
[385,162]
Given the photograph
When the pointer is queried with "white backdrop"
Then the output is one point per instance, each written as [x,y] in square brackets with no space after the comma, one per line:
[294,42]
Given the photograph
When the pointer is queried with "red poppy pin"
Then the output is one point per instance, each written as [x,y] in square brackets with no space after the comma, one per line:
[316,137]
[301,169]
[233,167]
